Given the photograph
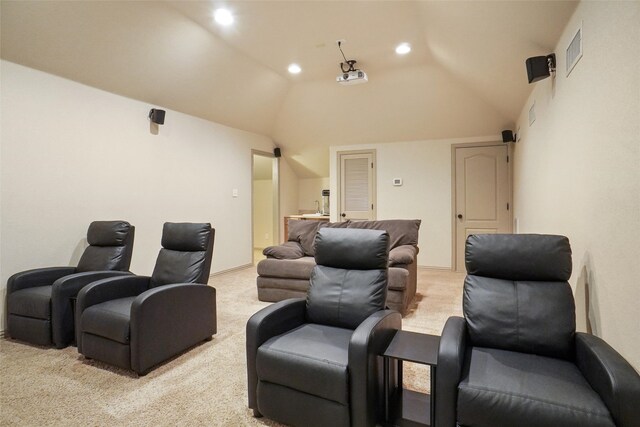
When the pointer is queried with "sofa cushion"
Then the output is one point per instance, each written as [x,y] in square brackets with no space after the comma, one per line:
[311,358]
[287,250]
[398,278]
[402,255]
[31,302]
[109,319]
[303,232]
[401,231]
[502,388]
[287,268]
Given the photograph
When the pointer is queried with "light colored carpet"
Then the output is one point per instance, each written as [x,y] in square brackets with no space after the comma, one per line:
[204,386]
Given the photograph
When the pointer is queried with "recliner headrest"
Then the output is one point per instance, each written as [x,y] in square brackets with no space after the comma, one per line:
[108,233]
[534,257]
[354,249]
[186,236]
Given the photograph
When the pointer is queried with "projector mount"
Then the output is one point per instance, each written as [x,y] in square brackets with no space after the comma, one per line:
[348,64]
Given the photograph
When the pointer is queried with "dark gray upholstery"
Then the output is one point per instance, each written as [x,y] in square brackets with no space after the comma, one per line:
[533,317]
[515,358]
[309,350]
[110,246]
[137,322]
[505,388]
[534,257]
[109,319]
[349,282]
[315,362]
[184,257]
[39,301]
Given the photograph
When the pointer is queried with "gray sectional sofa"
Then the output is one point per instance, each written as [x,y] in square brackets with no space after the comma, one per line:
[286,271]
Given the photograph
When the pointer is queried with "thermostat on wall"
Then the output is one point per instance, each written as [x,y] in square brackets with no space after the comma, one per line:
[397,182]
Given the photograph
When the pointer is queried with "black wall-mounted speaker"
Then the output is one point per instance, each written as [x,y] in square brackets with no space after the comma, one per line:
[157,116]
[276,152]
[507,136]
[537,68]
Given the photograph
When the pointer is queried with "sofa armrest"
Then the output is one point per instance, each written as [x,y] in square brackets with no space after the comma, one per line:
[37,277]
[287,250]
[61,309]
[611,376]
[156,336]
[368,342]
[451,355]
[106,290]
[402,255]
[267,323]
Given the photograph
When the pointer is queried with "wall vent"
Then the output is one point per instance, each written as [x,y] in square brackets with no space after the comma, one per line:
[574,50]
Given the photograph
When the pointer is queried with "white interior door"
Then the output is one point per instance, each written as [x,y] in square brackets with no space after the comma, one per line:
[482,194]
[357,186]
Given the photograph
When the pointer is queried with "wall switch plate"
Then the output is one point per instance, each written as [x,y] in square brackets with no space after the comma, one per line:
[397,182]
[234,192]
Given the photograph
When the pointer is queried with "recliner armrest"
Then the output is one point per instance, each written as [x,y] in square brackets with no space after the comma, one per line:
[63,289]
[267,323]
[106,290]
[37,277]
[368,342]
[451,355]
[611,376]
[155,336]
[111,288]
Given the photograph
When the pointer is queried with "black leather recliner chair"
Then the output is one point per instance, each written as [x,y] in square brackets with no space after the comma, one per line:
[39,301]
[136,322]
[315,362]
[515,359]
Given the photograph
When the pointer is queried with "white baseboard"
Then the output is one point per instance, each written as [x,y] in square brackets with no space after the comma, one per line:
[426,267]
[229,270]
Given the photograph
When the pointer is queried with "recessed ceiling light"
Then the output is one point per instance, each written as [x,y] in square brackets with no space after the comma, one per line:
[294,68]
[403,48]
[223,17]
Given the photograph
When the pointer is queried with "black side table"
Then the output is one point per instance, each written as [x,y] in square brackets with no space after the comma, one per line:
[406,407]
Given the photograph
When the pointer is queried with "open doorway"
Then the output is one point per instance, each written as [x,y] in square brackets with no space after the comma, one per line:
[264,202]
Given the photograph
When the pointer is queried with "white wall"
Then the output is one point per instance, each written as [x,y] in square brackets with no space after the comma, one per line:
[262,213]
[72,154]
[310,190]
[288,184]
[577,169]
[425,168]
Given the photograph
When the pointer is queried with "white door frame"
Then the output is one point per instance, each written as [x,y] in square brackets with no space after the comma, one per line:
[275,180]
[454,240]
[339,154]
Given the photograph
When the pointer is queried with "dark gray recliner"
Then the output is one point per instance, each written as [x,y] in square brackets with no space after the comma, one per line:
[515,359]
[315,362]
[136,322]
[39,301]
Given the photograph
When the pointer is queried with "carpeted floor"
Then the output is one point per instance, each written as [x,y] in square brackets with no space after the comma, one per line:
[204,386]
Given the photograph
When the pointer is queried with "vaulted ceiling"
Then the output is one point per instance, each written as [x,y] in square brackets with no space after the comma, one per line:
[464,77]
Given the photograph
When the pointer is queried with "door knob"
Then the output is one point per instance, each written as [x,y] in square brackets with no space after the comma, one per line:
[459,216]
[343,215]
